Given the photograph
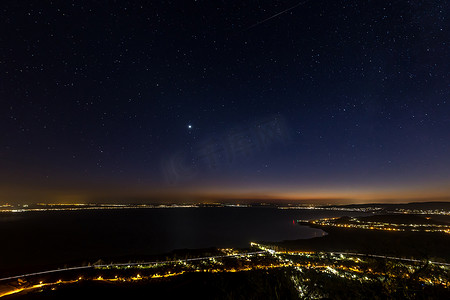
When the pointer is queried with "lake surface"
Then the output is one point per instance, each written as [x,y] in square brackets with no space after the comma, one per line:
[39,240]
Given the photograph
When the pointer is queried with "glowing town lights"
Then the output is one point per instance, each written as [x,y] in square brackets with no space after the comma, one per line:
[340,264]
[359,224]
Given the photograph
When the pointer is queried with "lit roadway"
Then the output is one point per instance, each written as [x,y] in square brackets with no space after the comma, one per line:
[203,258]
[356,254]
[129,264]
[391,258]
[261,247]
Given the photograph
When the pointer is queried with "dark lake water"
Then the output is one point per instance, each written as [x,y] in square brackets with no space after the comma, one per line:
[38,240]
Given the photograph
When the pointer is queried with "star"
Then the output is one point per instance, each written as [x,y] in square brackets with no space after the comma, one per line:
[189,126]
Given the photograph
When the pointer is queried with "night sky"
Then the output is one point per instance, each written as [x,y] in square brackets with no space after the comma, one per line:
[182,100]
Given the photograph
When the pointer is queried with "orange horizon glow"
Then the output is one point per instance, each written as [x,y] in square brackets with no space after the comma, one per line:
[324,195]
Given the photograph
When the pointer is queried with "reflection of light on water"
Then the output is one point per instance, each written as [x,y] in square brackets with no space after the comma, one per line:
[322,233]
[310,232]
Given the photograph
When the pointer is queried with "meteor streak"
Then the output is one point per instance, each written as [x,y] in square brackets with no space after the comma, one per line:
[277,14]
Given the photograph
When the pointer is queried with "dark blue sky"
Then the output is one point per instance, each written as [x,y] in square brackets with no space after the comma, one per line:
[330,99]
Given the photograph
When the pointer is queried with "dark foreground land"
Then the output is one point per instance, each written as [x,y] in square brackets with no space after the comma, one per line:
[243,285]
[432,246]
[284,283]
[375,257]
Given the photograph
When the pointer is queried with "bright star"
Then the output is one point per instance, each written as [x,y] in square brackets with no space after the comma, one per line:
[190,126]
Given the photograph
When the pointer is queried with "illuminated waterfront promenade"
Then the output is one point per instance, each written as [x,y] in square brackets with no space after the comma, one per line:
[373,225]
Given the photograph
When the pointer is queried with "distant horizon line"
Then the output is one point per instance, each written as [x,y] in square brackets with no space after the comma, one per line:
[275,202]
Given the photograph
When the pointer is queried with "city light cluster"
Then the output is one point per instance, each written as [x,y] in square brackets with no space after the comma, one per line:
[370,225]
[424,211]
[42,207]
[349,266]
[334,208]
